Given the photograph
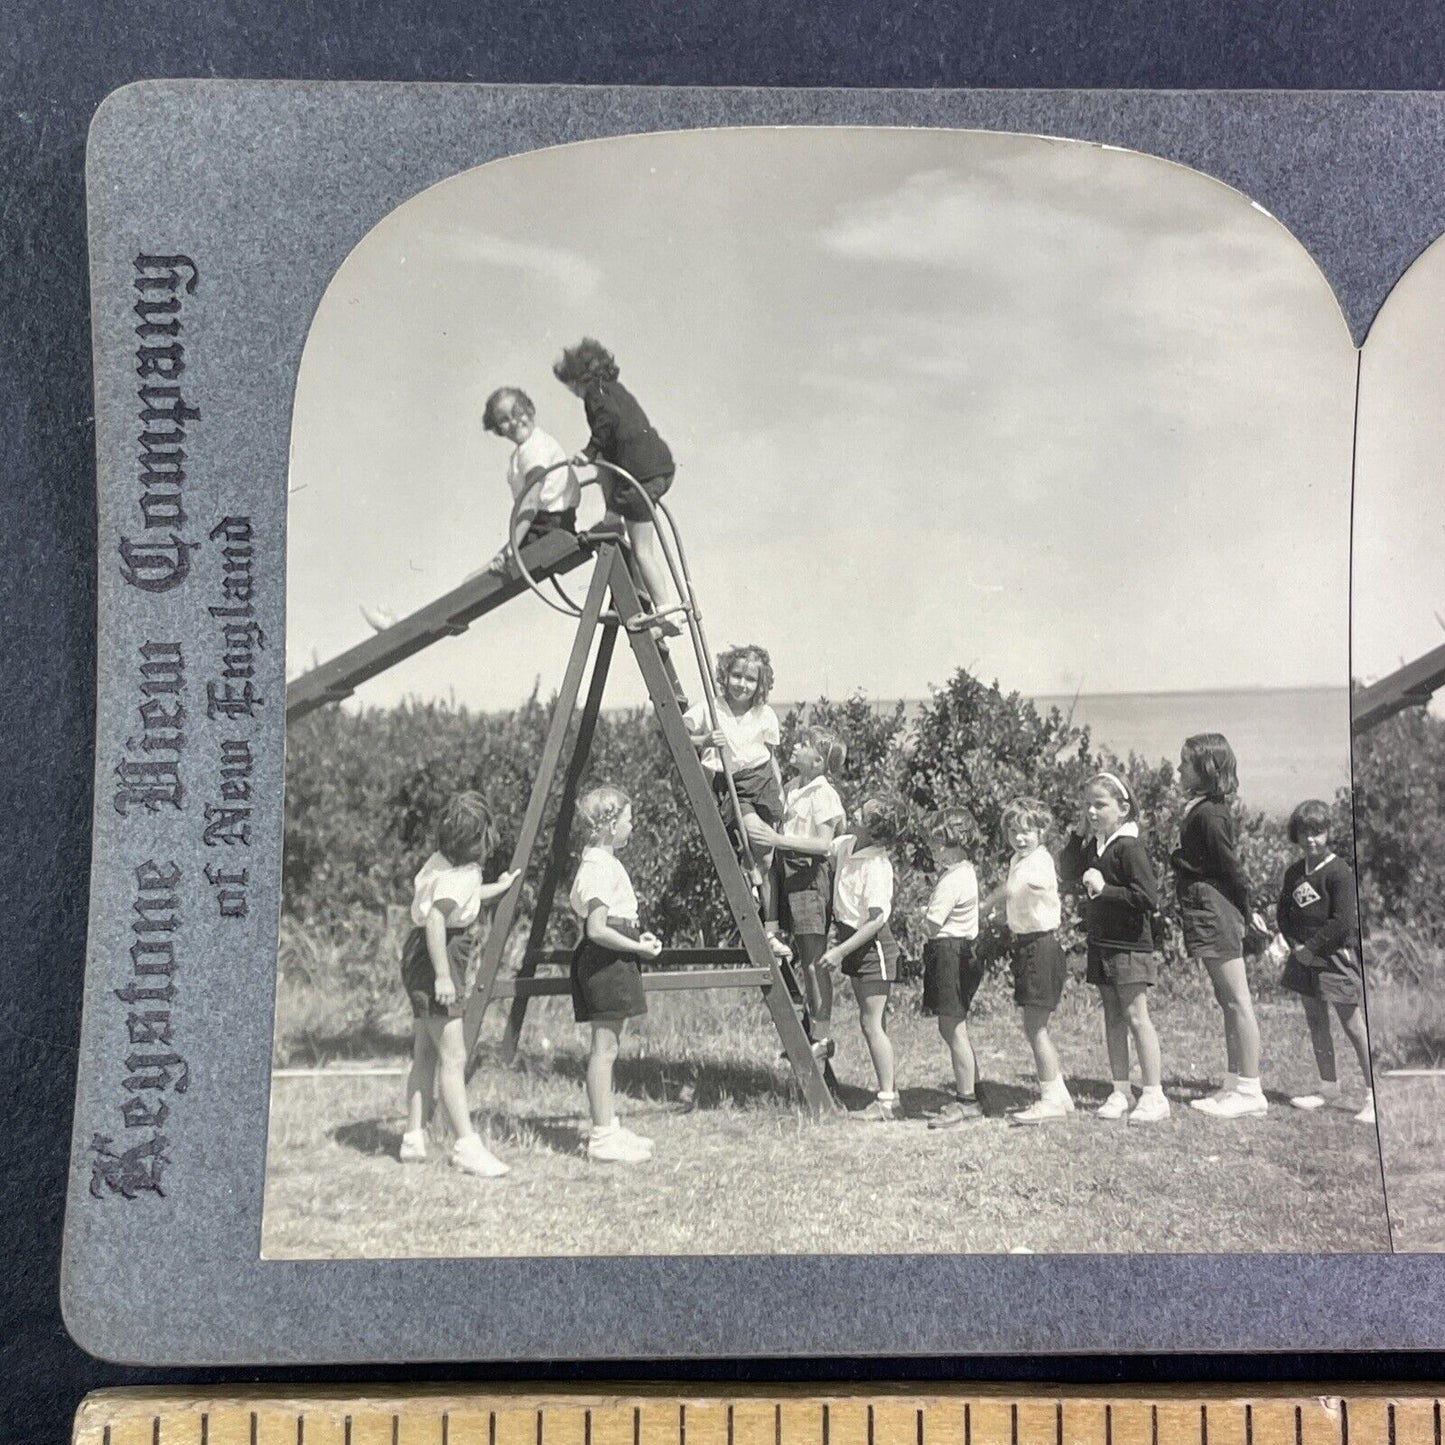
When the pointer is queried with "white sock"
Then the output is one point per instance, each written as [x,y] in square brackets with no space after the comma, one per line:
[1231,1083]
[890,1096]
[1121,1086]
[601,1131]
[1153,1091]
[1054,1089]
[1250,1087]
[1330,1088]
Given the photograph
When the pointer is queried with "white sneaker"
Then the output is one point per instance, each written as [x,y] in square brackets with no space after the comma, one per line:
[617,1146]
[1309,1102]
[1367,1114]
[1045,1111]
[1231,1106]
[1151,1109]
[413,1147]
[1114,1107]
[641,1140]
[471,1156]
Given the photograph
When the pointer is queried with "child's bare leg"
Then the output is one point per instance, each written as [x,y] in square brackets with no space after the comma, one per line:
[872,996]
[1317,1016]
[1352,1020]
[1036,1031]
[451,1050]
[763,857]
[652,564]
[1134,1000]
[1116,1033]
[421,1078]
[1241,1029]
[817,983]
[606,1037]
[954,1032]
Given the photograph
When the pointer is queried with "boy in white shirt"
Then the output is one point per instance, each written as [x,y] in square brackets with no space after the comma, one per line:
[951,973]
[863,946]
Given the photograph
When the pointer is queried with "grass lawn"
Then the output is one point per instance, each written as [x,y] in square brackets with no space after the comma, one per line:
[1412,1139]
[739,1169]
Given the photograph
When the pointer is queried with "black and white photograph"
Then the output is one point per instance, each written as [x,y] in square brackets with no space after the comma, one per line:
[1399,742]
[818,715]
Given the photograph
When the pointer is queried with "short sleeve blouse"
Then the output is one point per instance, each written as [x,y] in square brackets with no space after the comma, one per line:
[439,882]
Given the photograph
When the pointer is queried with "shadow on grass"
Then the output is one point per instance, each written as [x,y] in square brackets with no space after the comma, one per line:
[370,1137]
[687,1083]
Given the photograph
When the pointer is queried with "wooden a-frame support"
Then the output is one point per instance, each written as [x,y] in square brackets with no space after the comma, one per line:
[752,966]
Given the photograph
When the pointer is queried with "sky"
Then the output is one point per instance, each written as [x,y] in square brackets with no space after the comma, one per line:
[1072,417]
[1399,581]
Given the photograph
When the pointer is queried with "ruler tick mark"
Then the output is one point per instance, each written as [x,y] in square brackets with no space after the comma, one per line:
[827,1425]
[346,1431]
[1058,1422]
[730,1425]
[1203,1425]
[1109,1425]
[1344,1423]
[681,1426]
[1249,1425]
[918,1432]
[870,1425]
[1390,1422]
[1013,1424]
[777,1424]
[253,1427]
[155,1430]
[1437,1423]
[587,1427]
[1153,1425]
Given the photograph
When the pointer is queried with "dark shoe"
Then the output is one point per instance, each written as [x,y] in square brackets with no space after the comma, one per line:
[609,529]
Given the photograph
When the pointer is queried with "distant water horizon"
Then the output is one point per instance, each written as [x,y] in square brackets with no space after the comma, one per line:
[1291,743]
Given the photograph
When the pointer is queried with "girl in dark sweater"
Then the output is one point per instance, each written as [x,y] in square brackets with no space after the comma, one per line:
[1319,918]
[623,436]
[1214,909]
[1106,860]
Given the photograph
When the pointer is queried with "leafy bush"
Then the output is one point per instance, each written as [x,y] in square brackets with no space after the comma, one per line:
[363,791]
[1399,817]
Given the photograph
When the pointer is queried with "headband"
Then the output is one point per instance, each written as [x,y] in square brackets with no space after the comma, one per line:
[1118,782]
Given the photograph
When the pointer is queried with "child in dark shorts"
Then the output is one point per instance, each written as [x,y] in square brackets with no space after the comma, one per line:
[1030,899]
[951,972]
[746,740]
[811,809]
[538,473]
[447,902]
[1214,907]
[1106,859]
[1319,918]
[863,947]
[624,437]
[606,982]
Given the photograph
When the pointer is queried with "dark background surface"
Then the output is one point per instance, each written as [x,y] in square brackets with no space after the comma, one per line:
[61,59]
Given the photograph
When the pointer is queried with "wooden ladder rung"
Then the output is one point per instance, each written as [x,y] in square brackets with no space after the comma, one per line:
[665,981]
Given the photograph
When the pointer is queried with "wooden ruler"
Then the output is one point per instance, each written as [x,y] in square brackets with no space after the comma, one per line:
[879,1415]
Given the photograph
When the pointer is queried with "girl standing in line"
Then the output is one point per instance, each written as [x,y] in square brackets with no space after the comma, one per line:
[951,972]
[1214,908]
[863,945]
[606,982]
[1319,918]
[447,901]
[1106,858]
[1030,896]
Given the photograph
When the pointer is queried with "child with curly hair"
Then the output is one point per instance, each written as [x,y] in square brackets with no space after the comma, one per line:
[623,436]
[746,739]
